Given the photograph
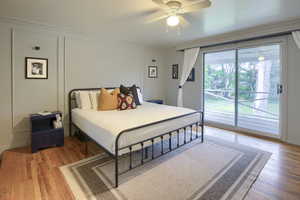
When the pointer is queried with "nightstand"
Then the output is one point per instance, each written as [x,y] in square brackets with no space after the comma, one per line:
[43,134]
[158,101]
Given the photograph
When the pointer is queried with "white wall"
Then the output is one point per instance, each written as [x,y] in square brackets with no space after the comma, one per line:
[192,97]
[172,57]
[91,63]
[293,118]
[74,62]
[5,85]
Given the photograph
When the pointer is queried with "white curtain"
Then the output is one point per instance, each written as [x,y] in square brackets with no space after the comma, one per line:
[296,36]
[189,60]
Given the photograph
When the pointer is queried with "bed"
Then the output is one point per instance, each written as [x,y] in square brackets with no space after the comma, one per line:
[124,132]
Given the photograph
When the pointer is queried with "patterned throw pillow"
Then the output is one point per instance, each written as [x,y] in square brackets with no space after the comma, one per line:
[131,90]
[126,102]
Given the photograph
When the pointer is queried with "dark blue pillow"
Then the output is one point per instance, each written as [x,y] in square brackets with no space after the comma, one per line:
[131,90]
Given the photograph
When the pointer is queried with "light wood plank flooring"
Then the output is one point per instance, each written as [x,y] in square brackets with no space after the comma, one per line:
[36,176]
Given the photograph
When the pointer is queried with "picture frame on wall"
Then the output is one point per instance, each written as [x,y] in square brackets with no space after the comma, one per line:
[191,77]
[175,71]
[36,68]
[152,72]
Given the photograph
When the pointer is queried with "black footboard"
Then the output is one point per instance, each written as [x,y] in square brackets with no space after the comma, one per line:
[159,138]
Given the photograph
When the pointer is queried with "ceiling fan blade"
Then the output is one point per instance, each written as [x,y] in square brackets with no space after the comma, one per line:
[184,21]
[141,15]
[147,13]
[160,3]
[186,2]
[156,17]
[196,6]
[138,16]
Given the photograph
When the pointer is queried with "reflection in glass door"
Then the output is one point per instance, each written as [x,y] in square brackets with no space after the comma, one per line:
[219,87]
[259,88]
[242,88]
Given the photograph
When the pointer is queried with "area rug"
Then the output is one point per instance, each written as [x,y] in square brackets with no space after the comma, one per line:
[212,170]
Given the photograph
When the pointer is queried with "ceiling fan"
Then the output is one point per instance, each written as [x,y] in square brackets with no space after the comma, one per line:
[174,10]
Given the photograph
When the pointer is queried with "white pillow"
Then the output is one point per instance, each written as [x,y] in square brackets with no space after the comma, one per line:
[85,102]
[94,96]
[140,96]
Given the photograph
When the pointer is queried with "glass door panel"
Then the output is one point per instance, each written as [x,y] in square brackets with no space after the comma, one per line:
[219,87]
[259,88]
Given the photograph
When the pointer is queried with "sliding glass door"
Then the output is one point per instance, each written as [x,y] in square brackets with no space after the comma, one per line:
[242,88]
[220,87]
[258,93]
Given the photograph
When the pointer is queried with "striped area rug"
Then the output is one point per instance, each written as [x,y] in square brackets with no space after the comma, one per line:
[215,169]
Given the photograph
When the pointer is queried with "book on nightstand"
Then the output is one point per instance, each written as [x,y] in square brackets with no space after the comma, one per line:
[46,130]
[44,113]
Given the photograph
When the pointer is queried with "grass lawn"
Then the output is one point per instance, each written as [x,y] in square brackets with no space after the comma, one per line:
[221,105]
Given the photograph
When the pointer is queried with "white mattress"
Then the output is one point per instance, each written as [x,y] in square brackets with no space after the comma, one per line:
[104,126]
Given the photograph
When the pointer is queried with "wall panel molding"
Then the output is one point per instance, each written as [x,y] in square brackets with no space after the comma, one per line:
[20,132]
[65,104]
[58,70]
[12,75]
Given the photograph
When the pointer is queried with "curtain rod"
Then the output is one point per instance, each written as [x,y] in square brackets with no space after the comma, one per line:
[245,40]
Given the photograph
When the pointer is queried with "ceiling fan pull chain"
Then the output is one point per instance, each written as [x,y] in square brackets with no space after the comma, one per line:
[179,30]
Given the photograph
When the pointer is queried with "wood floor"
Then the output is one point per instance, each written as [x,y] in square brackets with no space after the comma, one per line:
[36,176]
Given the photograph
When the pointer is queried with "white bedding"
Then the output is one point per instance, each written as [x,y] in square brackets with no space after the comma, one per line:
[104,126]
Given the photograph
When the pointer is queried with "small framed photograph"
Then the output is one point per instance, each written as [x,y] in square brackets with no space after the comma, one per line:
[191,77]
[175,71]
[152,72]
[36,68]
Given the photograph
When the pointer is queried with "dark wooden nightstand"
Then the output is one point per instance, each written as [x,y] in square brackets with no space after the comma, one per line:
[43,134]
[158,101]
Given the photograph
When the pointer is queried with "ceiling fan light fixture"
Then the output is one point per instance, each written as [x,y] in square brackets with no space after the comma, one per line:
[173,20]
[261,58]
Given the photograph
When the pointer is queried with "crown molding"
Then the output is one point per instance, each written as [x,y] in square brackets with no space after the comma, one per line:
[68,32]
[38,25]
[253,32]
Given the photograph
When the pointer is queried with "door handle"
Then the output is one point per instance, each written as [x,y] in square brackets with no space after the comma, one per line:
[279,88]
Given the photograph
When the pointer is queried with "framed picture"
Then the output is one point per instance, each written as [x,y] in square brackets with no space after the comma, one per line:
[191,77]
[152,71]
[36,68]
[175,71]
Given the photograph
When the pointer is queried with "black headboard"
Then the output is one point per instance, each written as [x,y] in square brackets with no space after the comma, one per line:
[71,99]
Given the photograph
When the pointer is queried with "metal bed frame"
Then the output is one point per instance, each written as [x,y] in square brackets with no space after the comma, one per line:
[171,134]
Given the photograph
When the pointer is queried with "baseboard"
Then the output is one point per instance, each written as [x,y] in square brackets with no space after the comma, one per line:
[18,139]
[292,143]
[2,149]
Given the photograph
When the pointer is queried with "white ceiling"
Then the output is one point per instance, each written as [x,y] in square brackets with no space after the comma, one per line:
[124,19]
